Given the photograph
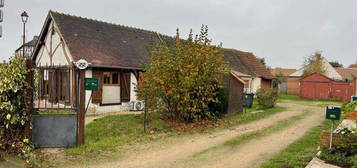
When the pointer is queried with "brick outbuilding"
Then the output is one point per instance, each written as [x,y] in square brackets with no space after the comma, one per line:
[318,86]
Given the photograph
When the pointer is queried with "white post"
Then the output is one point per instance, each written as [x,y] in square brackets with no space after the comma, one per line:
[331,134]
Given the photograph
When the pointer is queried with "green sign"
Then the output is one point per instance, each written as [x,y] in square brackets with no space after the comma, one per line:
[333,112]
[91,83]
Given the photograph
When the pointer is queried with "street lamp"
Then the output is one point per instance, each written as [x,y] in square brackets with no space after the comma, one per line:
[24,18]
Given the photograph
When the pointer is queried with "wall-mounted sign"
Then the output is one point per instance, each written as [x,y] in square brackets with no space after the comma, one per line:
[91,83]
[81,64]
[333,112]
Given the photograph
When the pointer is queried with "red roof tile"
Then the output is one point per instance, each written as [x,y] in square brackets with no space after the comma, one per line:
[284,71]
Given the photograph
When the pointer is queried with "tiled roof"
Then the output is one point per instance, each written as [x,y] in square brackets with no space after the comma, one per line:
[284,71]
[347,73]
[233,58]
[111,45]
[105,44]
[246,63]
[255,66]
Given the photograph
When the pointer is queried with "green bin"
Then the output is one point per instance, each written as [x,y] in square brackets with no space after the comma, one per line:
[248,100]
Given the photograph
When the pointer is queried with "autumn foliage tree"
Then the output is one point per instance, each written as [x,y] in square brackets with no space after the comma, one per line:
[183,78]
[314,64]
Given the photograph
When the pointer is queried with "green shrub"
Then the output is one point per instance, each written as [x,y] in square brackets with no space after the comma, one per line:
[349,106]
[267,97]
[221,106]
[14,113]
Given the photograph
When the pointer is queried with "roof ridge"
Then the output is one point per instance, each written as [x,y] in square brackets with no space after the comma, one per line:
[345,68]
[236,50]
[110,23]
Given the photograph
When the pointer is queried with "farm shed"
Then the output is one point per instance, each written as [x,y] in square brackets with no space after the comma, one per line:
[235,87]
[318,86]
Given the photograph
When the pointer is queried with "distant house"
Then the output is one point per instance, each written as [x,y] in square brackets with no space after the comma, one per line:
[293,82]
[28,47]
[348,74]
[284,74]
[116,54]
[245,65]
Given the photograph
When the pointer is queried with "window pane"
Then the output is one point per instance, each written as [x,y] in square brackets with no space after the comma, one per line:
[106,76]
[115,78]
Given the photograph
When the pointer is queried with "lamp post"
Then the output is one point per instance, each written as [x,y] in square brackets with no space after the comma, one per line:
[24,18]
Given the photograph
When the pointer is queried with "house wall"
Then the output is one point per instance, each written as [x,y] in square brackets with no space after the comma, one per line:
[96,108]
[293,85]
[256,84]
[133,83]
[248,85]
[54,51]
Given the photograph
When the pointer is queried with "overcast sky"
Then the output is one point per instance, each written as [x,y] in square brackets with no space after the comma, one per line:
[281,31]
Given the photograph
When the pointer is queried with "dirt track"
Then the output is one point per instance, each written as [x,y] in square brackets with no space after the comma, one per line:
[178,152]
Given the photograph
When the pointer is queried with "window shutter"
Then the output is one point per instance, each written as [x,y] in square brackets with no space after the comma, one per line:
[125,86]
[97,94]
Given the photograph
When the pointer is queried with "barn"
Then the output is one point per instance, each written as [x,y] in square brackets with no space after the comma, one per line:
[319,87]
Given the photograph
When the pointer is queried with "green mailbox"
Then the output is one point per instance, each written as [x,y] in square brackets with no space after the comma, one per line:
[91,83]
[333,112]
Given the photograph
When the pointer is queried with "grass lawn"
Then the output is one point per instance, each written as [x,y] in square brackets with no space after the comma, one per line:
[299,153]
[112,132]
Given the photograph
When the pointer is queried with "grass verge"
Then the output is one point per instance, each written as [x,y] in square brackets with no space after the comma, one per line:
[252,115]
[266,131]
[289,98]
[299,153]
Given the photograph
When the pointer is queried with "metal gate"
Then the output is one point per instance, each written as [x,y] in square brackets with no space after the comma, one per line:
[56,107]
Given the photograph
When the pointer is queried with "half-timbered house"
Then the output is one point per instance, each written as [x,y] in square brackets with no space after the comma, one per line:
[116,54]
